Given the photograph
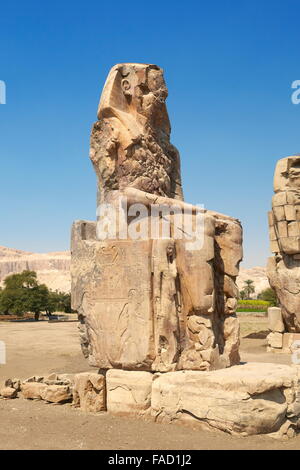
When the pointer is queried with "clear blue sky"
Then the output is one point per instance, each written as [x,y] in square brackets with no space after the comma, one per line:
[229,66]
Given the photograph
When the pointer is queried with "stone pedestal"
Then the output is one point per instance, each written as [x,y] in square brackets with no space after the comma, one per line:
[255,398]
[129,392]
[229,400]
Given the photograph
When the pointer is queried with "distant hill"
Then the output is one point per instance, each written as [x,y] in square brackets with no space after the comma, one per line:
[256,274]
[53,269]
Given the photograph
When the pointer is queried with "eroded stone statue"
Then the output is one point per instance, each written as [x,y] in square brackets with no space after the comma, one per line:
[284,225]
[151,303]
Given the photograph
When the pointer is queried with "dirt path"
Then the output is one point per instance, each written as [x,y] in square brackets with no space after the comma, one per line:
[37,348]
[36,425]
[42,348]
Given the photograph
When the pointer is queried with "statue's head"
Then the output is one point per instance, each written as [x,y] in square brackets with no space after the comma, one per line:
[138,89]
[287,174]
[294,173]
[170,252]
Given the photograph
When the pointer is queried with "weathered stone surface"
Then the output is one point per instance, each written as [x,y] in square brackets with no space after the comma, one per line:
[290,342]
[275,339]
[67,378]
[8,392]
[89,392]
[59,379]
[13,383]
[284,268]
[254,398]
[275,321]
[128,392]
[34,378]
[56,393]
[151,302]
[33,390]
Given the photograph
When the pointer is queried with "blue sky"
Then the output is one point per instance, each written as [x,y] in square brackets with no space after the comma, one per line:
[229,66]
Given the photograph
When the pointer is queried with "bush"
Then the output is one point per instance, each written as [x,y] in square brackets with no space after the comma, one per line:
[253,305]
[269,295]
[22,293]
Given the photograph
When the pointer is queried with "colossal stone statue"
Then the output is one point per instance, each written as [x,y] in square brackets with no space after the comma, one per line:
[146,301]
[284,267]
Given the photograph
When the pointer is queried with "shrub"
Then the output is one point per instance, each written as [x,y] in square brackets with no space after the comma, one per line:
[253,305]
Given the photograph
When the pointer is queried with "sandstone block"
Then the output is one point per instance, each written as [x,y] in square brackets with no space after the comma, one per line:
[282,229]
[279,199]
[128,392]
[290,212]
[275,340]
[274,246]
[56,393]
[227,399]
[33,390]
[89,392]
[275,319]
[290,245]
[279,213]
[271,219]
[8,392]
[13,383]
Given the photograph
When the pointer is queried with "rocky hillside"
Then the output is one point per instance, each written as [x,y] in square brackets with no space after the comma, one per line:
[53,269]
[256,274]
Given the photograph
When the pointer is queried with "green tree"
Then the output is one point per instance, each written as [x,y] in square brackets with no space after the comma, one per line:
[22,293]
[37,300]
[269,295]
[249,288]
[14,297]
[26,279]
[242,295]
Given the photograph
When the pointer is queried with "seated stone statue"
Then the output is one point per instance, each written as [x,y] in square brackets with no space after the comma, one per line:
[151,302]
[284,268]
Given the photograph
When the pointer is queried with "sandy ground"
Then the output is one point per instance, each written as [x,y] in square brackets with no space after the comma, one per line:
[42,348]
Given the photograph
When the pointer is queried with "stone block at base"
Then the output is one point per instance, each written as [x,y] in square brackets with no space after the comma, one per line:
[57,393]
[129,392]
[33,390]
[255,398]
[275,321]
[8,392]
[274,340]
[89,392]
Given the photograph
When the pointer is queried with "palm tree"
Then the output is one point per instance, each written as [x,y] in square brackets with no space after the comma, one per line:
[242,295]
[249,288]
